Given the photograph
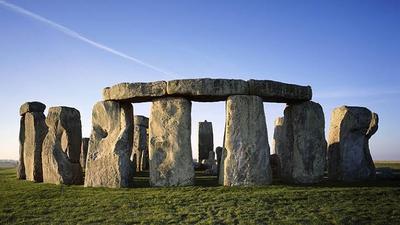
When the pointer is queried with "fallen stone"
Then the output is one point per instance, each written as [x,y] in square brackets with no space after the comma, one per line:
[273,91]
[303,157]
[349,157]
[31,107]
[135,92]
[170,150]
[84,150]
[35,132]
[62,147]
[246,142]
[206,89]
[205,140]
[108,161]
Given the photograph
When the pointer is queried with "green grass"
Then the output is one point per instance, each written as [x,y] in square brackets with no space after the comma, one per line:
[24,202]
[392,164]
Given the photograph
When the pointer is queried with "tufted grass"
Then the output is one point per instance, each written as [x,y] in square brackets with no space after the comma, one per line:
[24,202]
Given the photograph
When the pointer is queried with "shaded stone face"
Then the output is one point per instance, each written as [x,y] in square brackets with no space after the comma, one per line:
[349,157]
[206,139]
[170,150]
[35,132]
[246,142]
[108,161]
[21,166]
[140,142]
[303,150]
[84,150]
[62,146]
[31,107]
[273,91]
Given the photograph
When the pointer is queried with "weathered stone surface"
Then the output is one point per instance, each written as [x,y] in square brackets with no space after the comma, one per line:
[170,150]
[35,132]
[21,167]
[279,133]
[61,147]
[273,91]
[206,89]
[303,157]
[349,157]
[135,92]
[211,164]
[108,162]
[246,142]
[206,140]
[84,150]
[140,142]
[31,107]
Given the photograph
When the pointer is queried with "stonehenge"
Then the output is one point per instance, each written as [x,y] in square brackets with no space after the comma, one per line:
[349,157]
[303,151]
[52,149]
[33,129]
[206,140]
[246,142]
[140,142]
[62,147]
[170,150]
[108,161]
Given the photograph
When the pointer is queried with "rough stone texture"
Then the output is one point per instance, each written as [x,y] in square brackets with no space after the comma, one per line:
[140,142]
[246,142]
[303,157]
[273,91]
[279,133]
[21,167]
[31,107]
[84,150]
[206,140]
[170,150]
[218,151]
[62,147]
[206,89]
[135,92]
[108,162]
[349,157]
[35,132]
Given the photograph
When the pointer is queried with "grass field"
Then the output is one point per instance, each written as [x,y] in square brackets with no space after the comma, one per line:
[24,202]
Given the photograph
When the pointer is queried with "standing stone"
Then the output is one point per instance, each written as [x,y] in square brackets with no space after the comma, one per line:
[218,151]
[303,156]
[108,162]
[145,157]
[21,167]
[275,165]
[279,133]
[349,157]
[211,164]
[206,139]
[84,150]
[33,129]
[170,150]
[246,142]
[140,141]
[35,132]
[62,147]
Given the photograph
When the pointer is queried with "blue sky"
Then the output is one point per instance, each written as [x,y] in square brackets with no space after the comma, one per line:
[348,51]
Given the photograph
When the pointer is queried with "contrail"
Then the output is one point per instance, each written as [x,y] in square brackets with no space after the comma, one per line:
[78,36]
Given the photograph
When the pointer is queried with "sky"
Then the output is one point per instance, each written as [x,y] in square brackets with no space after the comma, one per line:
[66,52]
